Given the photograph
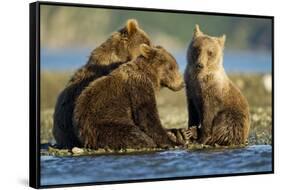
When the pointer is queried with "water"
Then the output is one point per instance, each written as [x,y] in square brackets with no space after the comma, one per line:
[174,163]
[234,61]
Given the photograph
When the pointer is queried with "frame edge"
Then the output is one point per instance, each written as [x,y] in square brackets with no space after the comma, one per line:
[34,174]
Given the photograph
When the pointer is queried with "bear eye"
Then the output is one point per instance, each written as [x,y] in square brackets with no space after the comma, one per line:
[124,33]
[124,37]
[210,53]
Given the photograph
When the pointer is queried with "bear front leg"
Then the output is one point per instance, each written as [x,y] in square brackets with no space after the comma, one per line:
[147,118]
[193,116]
[151,125]
[177,135]
[206,129]
[145,114]
[183,135]
[191,133]
[194,126]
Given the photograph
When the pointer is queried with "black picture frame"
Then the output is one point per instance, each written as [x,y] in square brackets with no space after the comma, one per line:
[34,91]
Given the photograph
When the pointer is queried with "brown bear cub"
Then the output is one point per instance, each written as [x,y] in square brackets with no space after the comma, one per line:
[216,106]
[121,47]
[119,110]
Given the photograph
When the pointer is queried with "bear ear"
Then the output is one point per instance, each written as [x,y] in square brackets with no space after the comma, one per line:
[197,32]
[221,40]
[132,26]
[146,50]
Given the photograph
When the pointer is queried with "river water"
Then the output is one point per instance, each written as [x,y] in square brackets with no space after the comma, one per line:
[234,61]
[172,163]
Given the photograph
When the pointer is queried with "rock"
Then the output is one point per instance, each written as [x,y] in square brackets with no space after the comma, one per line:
[77,150]
[58,152]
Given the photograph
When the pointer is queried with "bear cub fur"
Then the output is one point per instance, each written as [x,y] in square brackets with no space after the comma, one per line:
[215,105]
[121,47]
[119,110]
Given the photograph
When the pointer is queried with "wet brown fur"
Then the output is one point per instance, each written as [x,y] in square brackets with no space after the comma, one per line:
[215,104]
[119,110]
[120,48]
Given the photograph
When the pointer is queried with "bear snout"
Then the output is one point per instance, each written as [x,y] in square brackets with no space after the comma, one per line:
[177,85]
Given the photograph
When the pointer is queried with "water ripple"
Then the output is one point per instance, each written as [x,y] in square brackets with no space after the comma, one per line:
[179,163]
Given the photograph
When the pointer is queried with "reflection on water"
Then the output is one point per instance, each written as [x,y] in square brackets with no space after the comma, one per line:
[234,61]
[177,163]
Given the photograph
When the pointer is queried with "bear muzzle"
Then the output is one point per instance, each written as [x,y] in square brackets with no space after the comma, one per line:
[177,87]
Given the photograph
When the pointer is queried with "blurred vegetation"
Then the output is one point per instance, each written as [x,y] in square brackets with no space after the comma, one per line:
[172,105]
[87,27]
[252,86]
[51,85]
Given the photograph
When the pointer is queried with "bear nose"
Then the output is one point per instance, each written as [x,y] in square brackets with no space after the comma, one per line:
[199,66]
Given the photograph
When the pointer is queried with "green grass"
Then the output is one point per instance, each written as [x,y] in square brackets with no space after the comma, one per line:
[172,105]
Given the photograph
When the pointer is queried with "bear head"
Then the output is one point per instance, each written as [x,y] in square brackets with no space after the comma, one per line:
[122,46]
[165,65]
[205,53]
